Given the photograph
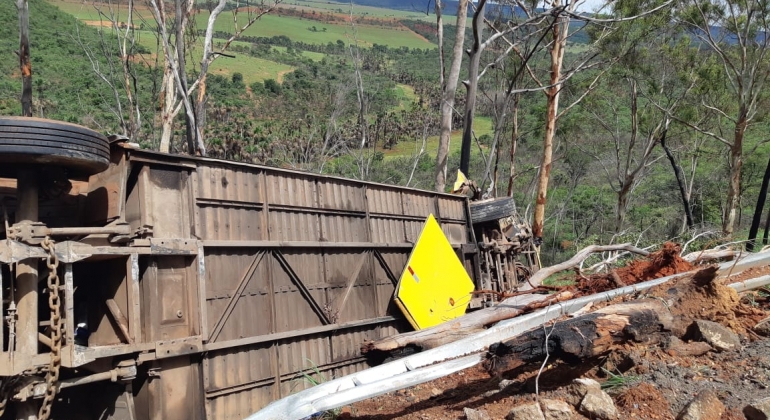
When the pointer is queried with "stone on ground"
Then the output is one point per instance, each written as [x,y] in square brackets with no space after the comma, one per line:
[529,411]
[705,406]
[472,414]
[758,410]
[720,337]
[598,405]
[556,409]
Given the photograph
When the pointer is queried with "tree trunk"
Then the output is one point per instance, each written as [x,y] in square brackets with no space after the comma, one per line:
[473,83]
[591,335]
[448,95]
[734,187]
[758,209]
[514,141]
[125,58]
[180,59]
[680,180]
[25,66]
[552,109]
[167,114]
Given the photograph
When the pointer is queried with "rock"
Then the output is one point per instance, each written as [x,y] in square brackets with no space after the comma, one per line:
[763,327]
[529,411]
[758,410]
[556,410]
[472,414]
[705,406]
[598,405]
[435,392]
[505,383]
[677,347]
[579,388]
[720,337]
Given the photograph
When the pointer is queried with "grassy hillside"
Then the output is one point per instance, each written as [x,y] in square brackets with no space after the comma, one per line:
[65,86]
[301,30]
[298,29]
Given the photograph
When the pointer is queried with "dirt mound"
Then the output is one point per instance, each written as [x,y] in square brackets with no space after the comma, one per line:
[700,296]
[644,401]
[662,263]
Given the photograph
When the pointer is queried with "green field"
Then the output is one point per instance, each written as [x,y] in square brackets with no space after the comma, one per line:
[360,10]
[298,30]
[253,69]
[481,126]
[315,56]
[269,25]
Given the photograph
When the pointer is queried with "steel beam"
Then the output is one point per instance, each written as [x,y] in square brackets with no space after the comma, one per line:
[27,269]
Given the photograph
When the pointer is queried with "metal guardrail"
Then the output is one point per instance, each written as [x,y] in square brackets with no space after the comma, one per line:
[462,354]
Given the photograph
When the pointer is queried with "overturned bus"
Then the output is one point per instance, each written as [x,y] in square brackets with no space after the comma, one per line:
[140,285]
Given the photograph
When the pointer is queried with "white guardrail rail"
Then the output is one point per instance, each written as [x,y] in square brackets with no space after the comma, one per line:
[461,354]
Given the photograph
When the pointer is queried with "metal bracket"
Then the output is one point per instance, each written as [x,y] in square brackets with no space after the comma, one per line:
[173,348]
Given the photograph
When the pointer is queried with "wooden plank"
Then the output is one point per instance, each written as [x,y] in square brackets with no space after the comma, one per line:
[119,318]
[69,305]
[134,298]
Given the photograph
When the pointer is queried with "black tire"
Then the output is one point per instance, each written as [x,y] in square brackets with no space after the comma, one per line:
[486,211]
[37,141]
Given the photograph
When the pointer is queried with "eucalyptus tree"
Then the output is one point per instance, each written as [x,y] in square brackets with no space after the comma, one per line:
[448,86]
[177,93]
[733,36]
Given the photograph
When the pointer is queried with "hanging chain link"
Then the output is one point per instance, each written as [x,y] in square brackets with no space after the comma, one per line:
[54,304]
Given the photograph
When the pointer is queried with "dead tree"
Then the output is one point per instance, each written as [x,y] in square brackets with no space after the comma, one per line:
[24,62]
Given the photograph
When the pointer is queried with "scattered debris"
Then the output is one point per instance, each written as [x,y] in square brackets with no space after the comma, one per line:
[643,356]
[763,327]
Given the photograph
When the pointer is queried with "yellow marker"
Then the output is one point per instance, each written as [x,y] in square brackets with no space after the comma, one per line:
[459,181]
[434,286]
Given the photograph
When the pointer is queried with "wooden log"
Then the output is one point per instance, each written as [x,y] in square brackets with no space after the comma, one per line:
[590,335]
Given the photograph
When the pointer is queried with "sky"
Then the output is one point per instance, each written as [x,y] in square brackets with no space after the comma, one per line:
[590,5]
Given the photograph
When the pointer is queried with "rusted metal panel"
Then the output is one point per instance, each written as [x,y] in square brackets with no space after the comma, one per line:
[294,226]
[451,209]
[457,234]
[301,355]
[106,197]
[344,229]
[333,194]
[232,370]
[387,230]
[419,204]
[170,296]
[224,269]
[384,200]
[291,190]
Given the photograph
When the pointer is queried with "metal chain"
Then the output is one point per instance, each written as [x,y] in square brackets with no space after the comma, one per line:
[54,303]
[8,386]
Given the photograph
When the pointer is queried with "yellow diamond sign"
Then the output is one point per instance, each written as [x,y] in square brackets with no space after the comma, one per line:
[434,286]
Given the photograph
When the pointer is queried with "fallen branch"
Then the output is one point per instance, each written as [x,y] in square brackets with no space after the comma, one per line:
[698,257]
[546,272]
